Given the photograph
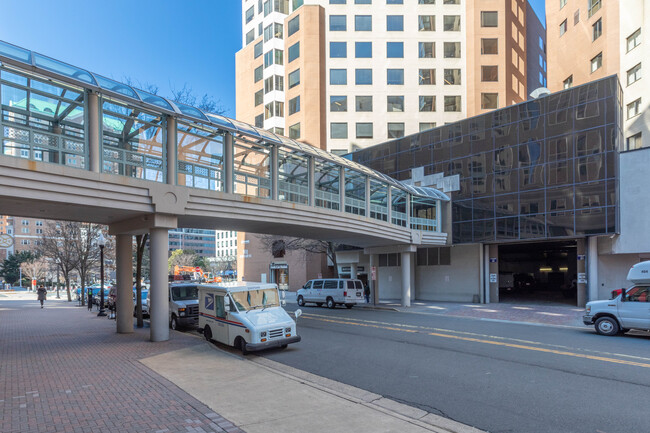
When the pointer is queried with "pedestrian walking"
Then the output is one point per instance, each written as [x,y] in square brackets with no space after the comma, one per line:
[366,292]
[90,299]
[42,294]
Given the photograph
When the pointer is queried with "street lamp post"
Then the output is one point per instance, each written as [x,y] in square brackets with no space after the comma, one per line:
[101,241]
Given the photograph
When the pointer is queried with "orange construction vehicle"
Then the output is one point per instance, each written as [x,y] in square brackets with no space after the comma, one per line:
[196,272]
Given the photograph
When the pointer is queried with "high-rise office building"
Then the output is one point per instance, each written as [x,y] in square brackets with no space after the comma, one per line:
[591,39]
[346,74]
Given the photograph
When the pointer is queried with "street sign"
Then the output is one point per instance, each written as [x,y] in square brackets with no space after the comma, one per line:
[493,278]
[373,273]
[6,240]
[320,275]
[493,259]
[582,278]
[581,256]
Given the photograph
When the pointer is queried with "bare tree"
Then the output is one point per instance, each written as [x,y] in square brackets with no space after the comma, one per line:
[186,96]
[140,244]
[57,243]
[274,245]
[35,269]
[86,250]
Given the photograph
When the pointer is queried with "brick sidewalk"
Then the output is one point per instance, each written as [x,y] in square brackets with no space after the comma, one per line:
[63,369]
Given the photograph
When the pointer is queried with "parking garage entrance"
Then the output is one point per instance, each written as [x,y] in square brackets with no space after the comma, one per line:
[542,273]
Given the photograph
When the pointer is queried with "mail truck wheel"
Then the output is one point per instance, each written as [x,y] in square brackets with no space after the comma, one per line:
[242,346]
[301,301]
[607,326]
[207,333]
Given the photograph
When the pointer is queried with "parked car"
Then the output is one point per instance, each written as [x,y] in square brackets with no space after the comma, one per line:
[331,292]
[629,308]
[183,304]
[145,305]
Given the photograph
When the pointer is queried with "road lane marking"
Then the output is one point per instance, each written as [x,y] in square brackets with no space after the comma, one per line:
[474,339]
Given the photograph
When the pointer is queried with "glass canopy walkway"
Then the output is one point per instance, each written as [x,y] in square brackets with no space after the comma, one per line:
[57,113]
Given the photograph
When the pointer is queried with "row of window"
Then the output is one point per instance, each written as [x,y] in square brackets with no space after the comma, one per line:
[395,2]
[395,104]
[273,30]
[395,23]
[426,50]
[363,76]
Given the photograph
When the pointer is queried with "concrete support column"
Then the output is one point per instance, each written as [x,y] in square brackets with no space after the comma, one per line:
[592,267]
[406,279]
[413,288]
[389,200]
[275,163]
[483,265]
[581,270]
[228,164]
[367,196]
[124,300]
[311,180]
[94,134]
[342,188]
[171,151]
[493,273]
[353,270]
[159,289]
[374,286]
[408,211]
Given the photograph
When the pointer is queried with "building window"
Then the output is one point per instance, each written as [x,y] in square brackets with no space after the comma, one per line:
[273,31]
[425,126]
[395,50]
[576,17]
[395,23]
[294,78]
[338,50]
[489,73]
[490,46]
[568,83]
[274,108]
[633,108]
[563,27]
[363,50]
[250,36]
[451,50]
[25,230]
[597,29]
[363,23]
[489,19]
[634,142]
[451,23]
[452,103]
[258,73]
[294,52]
[257,50]
[426,50]
[293,25]
[489,100]
[634,74]
[294,105]
[25,222]
[364,130]
[337,2]
[338,130]
[426,76]
[259,97]
[250,13]
[294,131]
[363,103]
[395,104]
[395,130]
[338,23]
[427,103]
[562,3]
[338,103]
[597,62]
[394,2]
[363,76]
[395,77]
[445,2]
[338,76]
[39,223]
[633,40]
[452,77]
[426,23]
[594,6]
[362,2]
[259,121]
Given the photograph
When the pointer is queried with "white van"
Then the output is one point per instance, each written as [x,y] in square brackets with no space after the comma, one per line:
[246,315]
[332,292]
[628,308]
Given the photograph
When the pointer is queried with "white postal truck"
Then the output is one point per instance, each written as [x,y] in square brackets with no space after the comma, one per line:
[628,308]
[245,315]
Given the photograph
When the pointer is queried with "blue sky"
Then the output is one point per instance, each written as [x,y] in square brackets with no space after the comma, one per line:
[167,43]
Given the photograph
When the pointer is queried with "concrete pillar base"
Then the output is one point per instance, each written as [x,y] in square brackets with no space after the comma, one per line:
[159,289]
[124,299]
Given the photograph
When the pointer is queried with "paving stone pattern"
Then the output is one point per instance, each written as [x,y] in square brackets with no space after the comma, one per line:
[63,369]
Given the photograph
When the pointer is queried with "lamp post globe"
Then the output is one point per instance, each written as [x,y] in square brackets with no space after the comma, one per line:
[101,241]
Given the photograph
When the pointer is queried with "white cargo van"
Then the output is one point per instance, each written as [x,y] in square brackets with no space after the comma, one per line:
[628,308]
[332,292]
[245,315]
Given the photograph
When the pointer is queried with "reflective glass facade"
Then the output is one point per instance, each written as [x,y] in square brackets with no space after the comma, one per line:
[542,169]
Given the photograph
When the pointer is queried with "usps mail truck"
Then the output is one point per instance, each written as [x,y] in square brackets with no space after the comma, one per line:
[245,315]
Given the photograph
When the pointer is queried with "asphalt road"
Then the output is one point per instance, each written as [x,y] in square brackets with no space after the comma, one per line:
[499,377]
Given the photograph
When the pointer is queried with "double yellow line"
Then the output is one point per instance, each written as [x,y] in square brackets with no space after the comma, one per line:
[413,329]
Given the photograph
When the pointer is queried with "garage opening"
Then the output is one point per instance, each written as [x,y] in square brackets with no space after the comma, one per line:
[543,273]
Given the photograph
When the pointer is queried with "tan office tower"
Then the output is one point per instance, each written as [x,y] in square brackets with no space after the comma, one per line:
[592,39]
[347,74]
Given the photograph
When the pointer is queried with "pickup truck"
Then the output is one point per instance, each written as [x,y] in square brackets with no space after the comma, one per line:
[627,309]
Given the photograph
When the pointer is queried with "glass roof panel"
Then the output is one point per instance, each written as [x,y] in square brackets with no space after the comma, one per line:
[108,84]
[154,99]
[15,52]
[220,121]
[63,69]
[190,111]
[244,127]
[268,135]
